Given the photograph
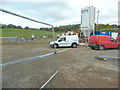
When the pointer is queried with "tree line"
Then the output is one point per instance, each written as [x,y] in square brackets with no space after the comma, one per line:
[13,26]
[64,28]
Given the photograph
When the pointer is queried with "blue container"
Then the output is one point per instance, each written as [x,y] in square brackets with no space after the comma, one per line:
[107,33]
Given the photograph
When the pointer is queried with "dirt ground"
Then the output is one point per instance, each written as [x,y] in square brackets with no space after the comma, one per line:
[77,67]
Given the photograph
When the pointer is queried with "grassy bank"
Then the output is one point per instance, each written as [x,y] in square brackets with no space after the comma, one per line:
[8,32]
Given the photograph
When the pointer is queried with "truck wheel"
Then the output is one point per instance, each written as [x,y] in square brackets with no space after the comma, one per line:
[93,48]
[119,47]
[101,47]
[74,45]
[55,46]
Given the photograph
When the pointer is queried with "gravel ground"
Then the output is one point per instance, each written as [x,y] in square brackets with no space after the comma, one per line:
[77,67]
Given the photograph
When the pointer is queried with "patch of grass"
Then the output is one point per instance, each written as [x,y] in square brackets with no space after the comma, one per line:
[15,32]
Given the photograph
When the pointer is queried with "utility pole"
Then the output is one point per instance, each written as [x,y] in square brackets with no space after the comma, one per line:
[97,19]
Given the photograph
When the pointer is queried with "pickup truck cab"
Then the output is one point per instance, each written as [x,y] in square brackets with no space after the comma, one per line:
[66,41]
[102,41]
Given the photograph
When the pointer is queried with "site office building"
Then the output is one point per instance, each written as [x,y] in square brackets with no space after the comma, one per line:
[87,20]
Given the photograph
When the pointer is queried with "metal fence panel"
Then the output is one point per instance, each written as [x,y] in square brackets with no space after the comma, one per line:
[28,63]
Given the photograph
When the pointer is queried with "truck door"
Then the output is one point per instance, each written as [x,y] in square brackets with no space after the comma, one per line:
[113,43]
[62,41]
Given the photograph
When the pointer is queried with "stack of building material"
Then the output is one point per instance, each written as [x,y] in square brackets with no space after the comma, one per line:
[71,32]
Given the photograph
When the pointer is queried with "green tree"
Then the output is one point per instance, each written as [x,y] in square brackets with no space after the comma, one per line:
[26,27]
[12,26]
[19,27]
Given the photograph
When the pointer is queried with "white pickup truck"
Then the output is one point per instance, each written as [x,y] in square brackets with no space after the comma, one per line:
[66,41]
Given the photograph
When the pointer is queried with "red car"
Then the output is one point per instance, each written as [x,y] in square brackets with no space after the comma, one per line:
[101,42]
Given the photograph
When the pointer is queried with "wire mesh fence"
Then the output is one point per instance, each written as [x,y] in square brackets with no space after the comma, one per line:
[29,62]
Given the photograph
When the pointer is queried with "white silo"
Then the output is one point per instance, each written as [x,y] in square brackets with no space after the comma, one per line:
[87,20]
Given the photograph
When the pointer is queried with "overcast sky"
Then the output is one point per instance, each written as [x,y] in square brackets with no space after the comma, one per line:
[57,12]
